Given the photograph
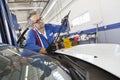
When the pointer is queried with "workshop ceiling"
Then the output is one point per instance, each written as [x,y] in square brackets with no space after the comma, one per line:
[24,7]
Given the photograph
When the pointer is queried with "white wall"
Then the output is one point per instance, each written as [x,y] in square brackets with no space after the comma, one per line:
[110,11]
[102,12]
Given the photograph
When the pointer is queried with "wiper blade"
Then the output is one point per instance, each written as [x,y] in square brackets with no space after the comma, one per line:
[76,71]
[76,75]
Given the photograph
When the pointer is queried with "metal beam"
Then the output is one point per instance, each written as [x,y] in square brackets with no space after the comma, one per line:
[22,22]
[25,8]
[44,7]
[26,1]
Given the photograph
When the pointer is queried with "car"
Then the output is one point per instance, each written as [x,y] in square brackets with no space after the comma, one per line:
[62,65]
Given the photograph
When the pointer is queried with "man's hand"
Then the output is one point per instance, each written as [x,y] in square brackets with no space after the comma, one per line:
[43,51]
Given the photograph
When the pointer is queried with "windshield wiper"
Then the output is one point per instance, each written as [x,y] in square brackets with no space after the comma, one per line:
[76,71]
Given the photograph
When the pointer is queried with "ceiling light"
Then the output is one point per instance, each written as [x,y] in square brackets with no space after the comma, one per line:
[51,6]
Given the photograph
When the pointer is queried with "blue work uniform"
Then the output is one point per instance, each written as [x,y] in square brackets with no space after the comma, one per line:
[50,29]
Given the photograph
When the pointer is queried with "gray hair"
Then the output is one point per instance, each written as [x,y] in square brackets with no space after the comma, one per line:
[29,16]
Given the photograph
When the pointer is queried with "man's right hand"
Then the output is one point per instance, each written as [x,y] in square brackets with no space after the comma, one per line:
[43,51]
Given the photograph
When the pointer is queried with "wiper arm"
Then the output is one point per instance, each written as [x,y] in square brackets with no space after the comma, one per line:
[75,75]
[76,71]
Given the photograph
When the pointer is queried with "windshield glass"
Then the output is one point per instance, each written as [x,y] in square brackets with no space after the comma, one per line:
[38,67]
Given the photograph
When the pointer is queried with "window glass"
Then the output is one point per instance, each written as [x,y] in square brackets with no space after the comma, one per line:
[40,68]
[81,19]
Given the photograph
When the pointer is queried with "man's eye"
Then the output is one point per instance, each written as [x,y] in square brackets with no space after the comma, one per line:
[37,21]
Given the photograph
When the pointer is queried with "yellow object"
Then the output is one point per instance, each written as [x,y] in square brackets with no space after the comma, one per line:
[67,43]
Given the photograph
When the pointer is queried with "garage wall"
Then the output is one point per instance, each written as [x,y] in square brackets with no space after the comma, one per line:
[102,12]
[109,35]
[105,13]
[110,11]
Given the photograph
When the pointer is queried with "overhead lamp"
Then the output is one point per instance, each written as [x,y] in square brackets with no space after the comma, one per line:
[51,6]
[24,8]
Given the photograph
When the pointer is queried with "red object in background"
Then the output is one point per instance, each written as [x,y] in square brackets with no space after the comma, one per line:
[76,38]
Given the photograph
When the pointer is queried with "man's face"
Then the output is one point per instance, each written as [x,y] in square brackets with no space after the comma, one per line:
[38,22]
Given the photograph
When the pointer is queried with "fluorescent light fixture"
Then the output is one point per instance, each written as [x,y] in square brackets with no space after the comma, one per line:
[51,6]
[22,22]
[24,8]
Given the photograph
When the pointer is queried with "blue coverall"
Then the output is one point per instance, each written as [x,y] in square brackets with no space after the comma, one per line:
[31,42]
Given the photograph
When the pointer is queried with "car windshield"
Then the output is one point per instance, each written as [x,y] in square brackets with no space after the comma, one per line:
[42,67]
